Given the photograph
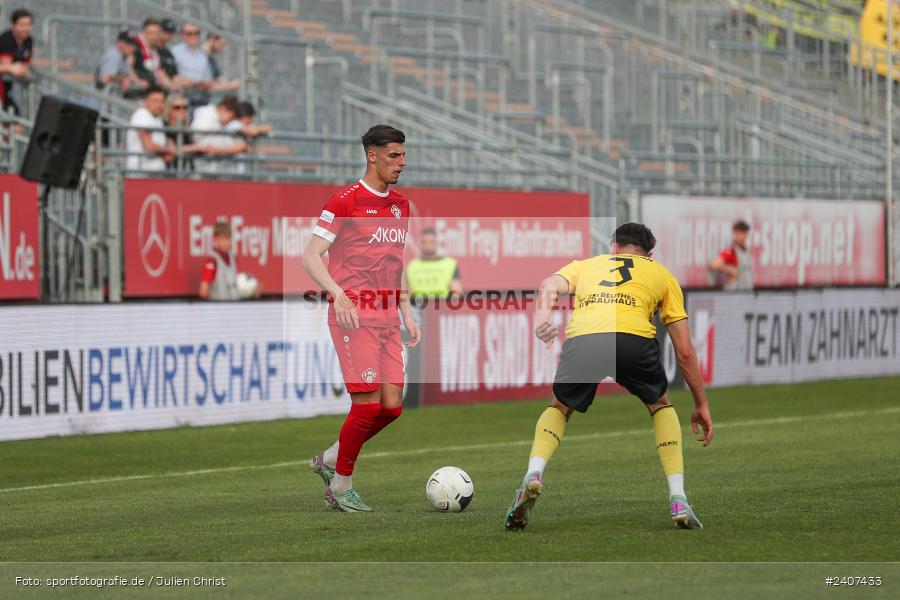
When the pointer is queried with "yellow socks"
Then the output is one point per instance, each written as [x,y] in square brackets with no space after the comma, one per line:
[668,440]
[668,445]
[548,432]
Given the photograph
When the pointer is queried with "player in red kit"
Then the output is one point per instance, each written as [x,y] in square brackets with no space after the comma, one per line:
[363,228]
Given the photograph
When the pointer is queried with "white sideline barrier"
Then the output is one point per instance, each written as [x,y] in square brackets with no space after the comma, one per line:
[101,368]
[795,336]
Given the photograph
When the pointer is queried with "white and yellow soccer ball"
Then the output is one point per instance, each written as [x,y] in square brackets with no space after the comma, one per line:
[246,285]
[449,489]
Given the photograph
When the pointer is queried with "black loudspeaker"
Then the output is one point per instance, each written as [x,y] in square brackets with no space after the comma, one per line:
[59,141]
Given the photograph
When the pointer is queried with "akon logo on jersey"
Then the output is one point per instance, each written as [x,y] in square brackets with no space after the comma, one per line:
[390,235]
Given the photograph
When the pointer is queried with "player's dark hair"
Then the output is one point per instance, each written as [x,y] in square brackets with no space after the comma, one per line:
[380,136]
[222,228]
[635,234]
[247,109]
[150,21]
[155,89]
[20,13]
[429,231]
[231,103]
[741,226]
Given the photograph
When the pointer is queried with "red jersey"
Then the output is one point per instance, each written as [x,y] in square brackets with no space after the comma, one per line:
[367,230]
[208,274]
[729,256]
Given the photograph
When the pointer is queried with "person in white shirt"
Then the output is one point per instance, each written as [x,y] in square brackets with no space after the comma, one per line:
[149,150]
[219,132]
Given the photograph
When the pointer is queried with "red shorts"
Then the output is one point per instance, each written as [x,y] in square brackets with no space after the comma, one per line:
[369,356]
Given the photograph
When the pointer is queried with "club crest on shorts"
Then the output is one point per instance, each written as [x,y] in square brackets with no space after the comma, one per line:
[369,375]
[395,211]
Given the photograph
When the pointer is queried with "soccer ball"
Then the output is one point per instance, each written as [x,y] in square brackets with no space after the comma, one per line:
[246,285]
[449,489]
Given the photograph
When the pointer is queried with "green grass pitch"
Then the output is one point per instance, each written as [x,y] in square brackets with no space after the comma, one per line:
[797,474]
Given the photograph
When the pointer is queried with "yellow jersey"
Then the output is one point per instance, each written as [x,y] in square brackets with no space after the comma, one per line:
[621,293]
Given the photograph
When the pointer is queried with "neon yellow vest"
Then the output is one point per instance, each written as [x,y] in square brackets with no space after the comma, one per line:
[431,278]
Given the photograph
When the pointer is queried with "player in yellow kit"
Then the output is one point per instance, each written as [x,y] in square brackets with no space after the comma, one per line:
[611,333]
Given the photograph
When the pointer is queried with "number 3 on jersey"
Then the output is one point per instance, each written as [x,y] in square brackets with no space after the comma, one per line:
[624,271]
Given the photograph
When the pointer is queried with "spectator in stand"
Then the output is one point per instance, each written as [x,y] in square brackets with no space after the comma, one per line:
[214,46]
[732,268]
[248,127]
[248,113]
[193,65]
[218,280]
[175,115]
[218,128]
[149,150]
[147,64]
[166,59]
[223,135]
[16,47]
[116,68]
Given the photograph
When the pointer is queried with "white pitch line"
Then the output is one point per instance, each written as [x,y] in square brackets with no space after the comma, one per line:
[389,454]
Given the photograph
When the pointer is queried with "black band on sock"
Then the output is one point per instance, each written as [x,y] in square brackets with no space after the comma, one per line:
[661,408]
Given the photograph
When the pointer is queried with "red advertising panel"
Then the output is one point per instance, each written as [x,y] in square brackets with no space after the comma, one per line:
[168,231]
[479,351]
[792,242]
[20,272]
[502,239]
[472,354]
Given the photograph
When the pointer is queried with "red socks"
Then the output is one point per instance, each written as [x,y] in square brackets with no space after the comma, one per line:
[385,418]
[354,434]
[361,425]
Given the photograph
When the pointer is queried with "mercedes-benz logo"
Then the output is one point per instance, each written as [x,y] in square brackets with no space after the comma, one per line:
[153,235]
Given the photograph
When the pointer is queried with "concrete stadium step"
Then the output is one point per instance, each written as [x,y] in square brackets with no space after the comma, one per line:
[263,10]
[328,36]
[299,24]
[657,166]
[416,71]
[496,105]
[353,47]
[61,63]
[275,149]
[78,76]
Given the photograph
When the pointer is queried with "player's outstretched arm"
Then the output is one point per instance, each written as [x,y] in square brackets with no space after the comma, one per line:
[686,357]
[344,309]
[548,292]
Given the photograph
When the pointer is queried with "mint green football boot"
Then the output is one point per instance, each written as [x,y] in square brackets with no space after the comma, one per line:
[348,501]
[320,468]
[527,494]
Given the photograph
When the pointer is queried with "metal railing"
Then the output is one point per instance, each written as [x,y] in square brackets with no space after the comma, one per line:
[763,102]
[326,157]
[695,173]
